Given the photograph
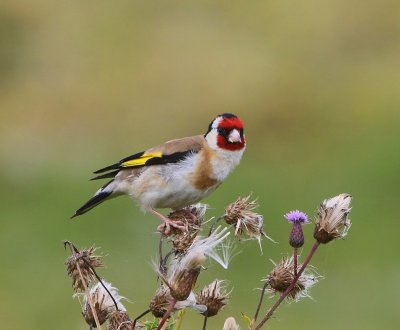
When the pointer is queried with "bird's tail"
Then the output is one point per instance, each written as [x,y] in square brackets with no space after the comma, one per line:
[104,193]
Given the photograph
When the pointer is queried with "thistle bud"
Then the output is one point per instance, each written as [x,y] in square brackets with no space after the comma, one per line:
[333,221]
[87,261]
[214,296]
[297,218]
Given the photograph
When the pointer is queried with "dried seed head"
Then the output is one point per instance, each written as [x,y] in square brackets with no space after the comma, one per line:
[297,218]
[214,296]
[191,216]
[184,269]
[182,242]
[247,223]
[282,276]
[230,324]
[333,221]
[87,260]
[119,321]
[103,303]
[160,302]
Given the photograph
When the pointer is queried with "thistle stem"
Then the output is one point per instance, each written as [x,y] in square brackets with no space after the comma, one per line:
[259,304]
[139,317]
[205,322]
[295,258]
[160,252]
[291,286]
[167,313]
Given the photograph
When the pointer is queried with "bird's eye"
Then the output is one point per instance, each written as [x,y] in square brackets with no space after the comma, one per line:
[223,131]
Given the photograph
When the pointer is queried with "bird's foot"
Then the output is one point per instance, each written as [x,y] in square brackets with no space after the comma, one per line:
[170,227]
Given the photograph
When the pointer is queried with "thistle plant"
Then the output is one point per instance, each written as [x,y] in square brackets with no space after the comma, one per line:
[190,249]
[292,281]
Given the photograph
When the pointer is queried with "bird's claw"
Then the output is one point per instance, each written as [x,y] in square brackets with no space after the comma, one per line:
[167,228]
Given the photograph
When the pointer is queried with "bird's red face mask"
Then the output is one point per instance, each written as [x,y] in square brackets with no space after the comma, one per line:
[230,134]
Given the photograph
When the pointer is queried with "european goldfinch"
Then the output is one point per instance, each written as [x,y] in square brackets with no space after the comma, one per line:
[177,173]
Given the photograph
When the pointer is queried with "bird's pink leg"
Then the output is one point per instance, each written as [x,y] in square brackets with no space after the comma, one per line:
[165,228]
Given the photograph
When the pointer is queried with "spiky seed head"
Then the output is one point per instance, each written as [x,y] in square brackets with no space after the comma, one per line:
[192,216]
[230,324]
[119,320]
[247,223]
[214,296]
[160,302]
[86,259]
[234,210]
[281,277]
[181,243]
[103,303]
[333,220]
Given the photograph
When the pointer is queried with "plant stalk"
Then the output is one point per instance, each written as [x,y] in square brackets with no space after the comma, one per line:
[205,322]
[167,313]
[253,322]
[295,258]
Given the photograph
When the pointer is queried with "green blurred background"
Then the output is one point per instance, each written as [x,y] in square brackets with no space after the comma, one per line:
[85,83]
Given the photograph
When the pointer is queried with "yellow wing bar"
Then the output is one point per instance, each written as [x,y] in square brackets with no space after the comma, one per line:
[142,159]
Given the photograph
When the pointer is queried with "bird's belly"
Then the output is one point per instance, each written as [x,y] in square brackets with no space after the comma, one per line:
[167,187]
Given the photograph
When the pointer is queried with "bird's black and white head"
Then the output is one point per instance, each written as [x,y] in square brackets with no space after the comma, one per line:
[226,132]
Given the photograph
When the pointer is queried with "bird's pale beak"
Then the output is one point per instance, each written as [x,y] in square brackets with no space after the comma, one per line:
[234,136]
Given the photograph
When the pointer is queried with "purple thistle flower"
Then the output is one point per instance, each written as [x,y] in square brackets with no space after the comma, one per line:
[297,217]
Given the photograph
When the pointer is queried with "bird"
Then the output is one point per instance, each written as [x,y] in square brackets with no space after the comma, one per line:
[175,174]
